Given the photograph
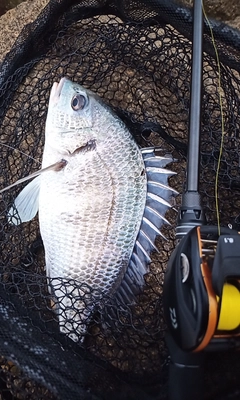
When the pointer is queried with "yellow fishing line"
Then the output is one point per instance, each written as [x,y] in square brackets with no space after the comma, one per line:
[222,119]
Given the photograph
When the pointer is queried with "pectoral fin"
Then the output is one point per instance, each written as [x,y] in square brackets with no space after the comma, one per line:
[25,206]
[54,167]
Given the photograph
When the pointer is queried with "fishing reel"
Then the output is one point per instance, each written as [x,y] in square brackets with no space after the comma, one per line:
[201,297]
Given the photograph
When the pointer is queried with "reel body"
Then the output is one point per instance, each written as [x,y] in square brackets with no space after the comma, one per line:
[201,296]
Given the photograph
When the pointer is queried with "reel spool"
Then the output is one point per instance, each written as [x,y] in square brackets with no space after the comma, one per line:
[201,297]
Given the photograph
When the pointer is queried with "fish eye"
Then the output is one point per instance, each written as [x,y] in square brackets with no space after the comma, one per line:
[78,102]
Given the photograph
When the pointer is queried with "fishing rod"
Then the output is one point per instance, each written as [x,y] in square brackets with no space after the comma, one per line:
[191,212]
[201,298]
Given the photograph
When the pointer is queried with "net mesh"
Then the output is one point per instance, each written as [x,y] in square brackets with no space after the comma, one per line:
[137,56]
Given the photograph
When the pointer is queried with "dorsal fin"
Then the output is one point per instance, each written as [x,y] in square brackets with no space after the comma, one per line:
[157,202]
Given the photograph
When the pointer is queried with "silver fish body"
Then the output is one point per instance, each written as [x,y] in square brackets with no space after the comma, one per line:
[98,214]
[89,212]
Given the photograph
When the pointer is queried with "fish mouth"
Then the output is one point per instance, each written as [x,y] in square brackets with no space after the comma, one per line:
[56,90]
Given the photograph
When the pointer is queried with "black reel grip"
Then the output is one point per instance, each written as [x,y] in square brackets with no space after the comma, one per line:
[185,373]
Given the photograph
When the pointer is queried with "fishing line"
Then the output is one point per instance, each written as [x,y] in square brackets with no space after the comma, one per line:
[57,166]
[222,120]
[20,151]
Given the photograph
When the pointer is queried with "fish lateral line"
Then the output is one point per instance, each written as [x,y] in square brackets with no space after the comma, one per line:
[58,166]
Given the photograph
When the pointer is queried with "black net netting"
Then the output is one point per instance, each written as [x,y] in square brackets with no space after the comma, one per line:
[137,56]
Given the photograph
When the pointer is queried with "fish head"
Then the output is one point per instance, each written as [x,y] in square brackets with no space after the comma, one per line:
[69,123]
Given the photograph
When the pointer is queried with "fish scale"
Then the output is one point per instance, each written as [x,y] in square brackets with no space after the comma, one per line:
[100,209]
[88,226]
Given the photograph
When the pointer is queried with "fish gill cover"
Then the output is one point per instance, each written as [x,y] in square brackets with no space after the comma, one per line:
[136,55]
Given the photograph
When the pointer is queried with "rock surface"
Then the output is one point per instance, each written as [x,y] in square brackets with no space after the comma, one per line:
[226,10]
[15,19]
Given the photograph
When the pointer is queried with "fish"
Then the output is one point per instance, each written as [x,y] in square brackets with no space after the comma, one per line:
[101,201]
